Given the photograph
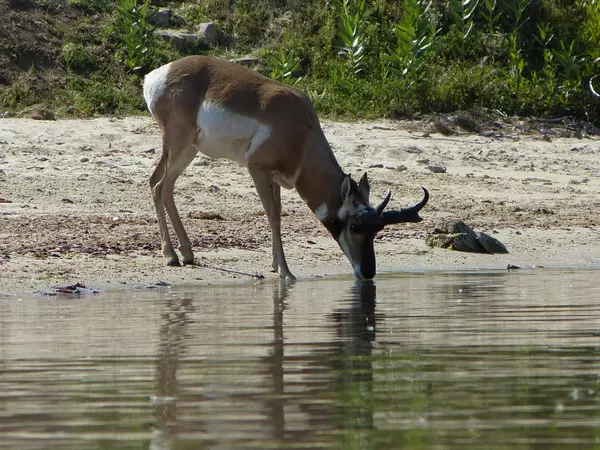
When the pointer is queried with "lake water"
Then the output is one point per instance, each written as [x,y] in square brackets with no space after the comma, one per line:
[478,360]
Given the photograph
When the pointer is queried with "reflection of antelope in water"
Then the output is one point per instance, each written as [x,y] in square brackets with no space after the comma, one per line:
[171,348]
[355,327]
[275,361]
[279,396]
[224,110]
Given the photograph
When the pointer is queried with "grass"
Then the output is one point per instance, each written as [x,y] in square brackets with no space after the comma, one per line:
[355,58]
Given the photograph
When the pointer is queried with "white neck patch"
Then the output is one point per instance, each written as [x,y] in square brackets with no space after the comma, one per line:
[342,214]
[346,249]
[321,212]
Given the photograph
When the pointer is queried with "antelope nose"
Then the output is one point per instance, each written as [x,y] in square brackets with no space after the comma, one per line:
[367,272]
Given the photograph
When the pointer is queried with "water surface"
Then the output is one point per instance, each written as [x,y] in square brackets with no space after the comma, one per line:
[412,361]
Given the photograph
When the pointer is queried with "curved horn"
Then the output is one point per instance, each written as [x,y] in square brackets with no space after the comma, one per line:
[410,214]
[384,203]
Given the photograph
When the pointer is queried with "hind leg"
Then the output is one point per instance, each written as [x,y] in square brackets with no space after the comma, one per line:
[178,152]
[157,195]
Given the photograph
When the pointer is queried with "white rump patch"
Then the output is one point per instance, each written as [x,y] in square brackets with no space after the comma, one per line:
[155,84]
[226,134]
[321,212]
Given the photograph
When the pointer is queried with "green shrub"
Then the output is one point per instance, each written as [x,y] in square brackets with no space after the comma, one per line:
[353,16]
[355,58]
[77,56]
[283,65]
[93,5]
[100,95]
[415,33]
[17,96]
[136,33]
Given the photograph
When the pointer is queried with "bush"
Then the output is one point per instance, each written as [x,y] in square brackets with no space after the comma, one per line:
[136,33]
[355,58]
[93,5]
[77,56]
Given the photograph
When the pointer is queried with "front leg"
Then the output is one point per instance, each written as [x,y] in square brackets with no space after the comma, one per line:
[277,197]
[263,181]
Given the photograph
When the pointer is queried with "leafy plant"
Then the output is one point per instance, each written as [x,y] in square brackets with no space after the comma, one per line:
[283,65]
[462,12]
[17,95]
[490,15]
[133,24]
[567,59]
[516,8]
[77,56]
[414,35]
[352,20]
[544,38]
[92,5]
[590,28]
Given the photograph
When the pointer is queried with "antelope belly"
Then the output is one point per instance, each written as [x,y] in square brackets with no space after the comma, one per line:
[225,134]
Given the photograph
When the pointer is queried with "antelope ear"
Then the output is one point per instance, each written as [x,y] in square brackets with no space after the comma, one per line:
[363,187]
[346,188]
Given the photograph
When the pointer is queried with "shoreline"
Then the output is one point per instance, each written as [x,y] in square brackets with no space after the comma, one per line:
[75,204]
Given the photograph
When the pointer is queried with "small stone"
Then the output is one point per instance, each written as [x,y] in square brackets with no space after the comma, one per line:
[208,32]
[162,18]
[437,168]
[456,235]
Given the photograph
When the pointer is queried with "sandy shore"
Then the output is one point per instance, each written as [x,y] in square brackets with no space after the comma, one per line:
[75,204]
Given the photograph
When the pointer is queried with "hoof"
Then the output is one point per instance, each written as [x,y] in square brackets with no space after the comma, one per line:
[189,262]
[287,276]
[173,263]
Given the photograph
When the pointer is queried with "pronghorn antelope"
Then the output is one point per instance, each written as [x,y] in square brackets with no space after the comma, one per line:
[225,110]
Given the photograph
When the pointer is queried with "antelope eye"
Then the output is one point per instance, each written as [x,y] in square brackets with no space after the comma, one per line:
[354,228]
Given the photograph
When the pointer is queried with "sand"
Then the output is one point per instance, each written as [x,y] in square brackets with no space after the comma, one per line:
[75,204]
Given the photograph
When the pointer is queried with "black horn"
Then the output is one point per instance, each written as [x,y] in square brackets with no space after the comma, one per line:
[384,203]
[410,214]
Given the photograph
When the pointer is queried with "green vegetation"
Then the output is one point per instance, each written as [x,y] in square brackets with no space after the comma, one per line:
[355,58]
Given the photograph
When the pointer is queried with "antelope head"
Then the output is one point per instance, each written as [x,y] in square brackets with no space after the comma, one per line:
[358,223]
